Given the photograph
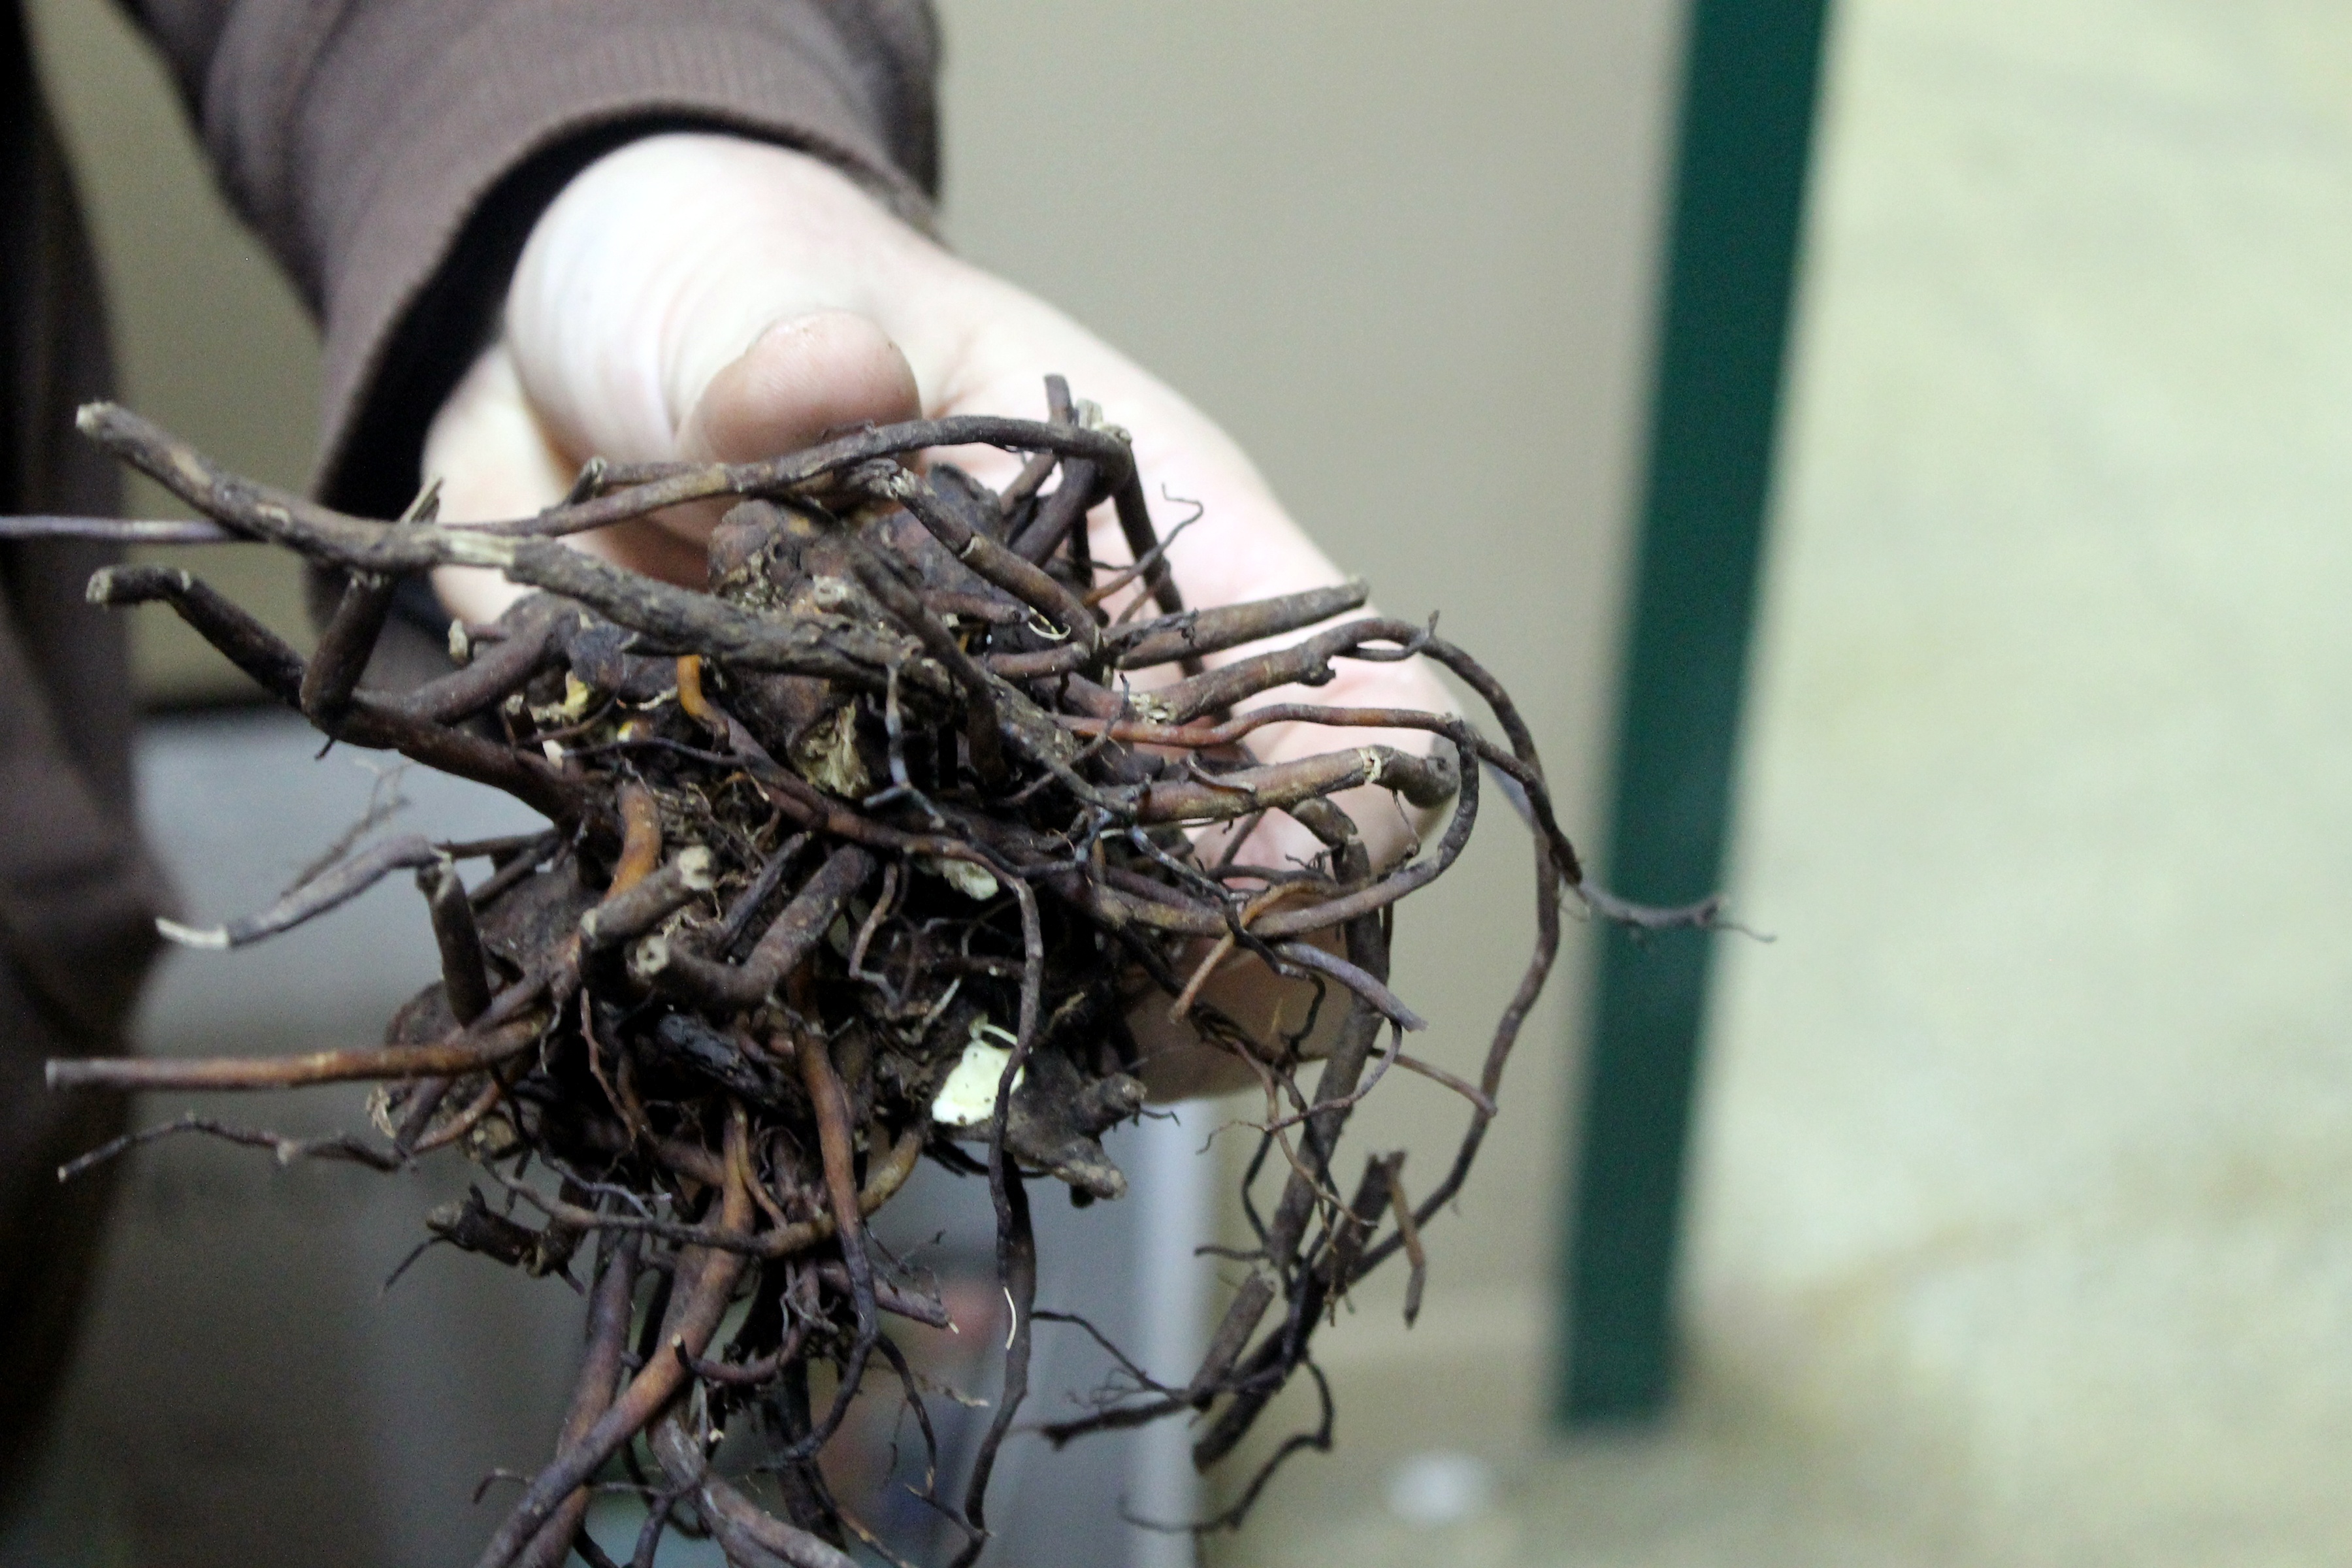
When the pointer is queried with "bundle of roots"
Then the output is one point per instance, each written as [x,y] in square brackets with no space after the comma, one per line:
[864,854]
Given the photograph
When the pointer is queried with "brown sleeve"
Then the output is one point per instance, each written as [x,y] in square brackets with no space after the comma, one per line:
[394,152]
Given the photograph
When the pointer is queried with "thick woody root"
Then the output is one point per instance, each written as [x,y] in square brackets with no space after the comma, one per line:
[864,852]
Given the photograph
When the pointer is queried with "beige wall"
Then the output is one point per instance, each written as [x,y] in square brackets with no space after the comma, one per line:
[2025,1165]
[209,338]
[1407,261]
[2022,1210]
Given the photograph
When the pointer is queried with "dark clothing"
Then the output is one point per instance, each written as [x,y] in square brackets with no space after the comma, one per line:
[392,155]
[77,895]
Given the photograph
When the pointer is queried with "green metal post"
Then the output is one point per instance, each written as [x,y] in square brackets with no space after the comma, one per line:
[1750,73]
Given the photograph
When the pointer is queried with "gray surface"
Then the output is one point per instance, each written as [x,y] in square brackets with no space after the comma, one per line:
[245,1395]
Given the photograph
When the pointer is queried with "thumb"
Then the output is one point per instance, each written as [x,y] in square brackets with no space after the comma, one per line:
[505,452]
[801,377]
[683,298]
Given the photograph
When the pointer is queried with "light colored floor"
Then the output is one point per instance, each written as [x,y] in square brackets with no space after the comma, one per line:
[2025,1205]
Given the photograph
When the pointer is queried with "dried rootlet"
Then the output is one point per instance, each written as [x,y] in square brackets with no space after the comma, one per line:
[861,856]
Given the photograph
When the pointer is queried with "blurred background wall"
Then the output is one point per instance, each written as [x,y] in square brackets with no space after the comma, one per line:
[2026,1177]
[2022,1201]
[1406,254]
[208,337]
[2023,1204]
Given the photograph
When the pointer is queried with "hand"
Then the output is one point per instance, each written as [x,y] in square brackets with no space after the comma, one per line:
[703,297]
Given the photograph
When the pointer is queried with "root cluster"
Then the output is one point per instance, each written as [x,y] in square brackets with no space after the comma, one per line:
[863,855]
